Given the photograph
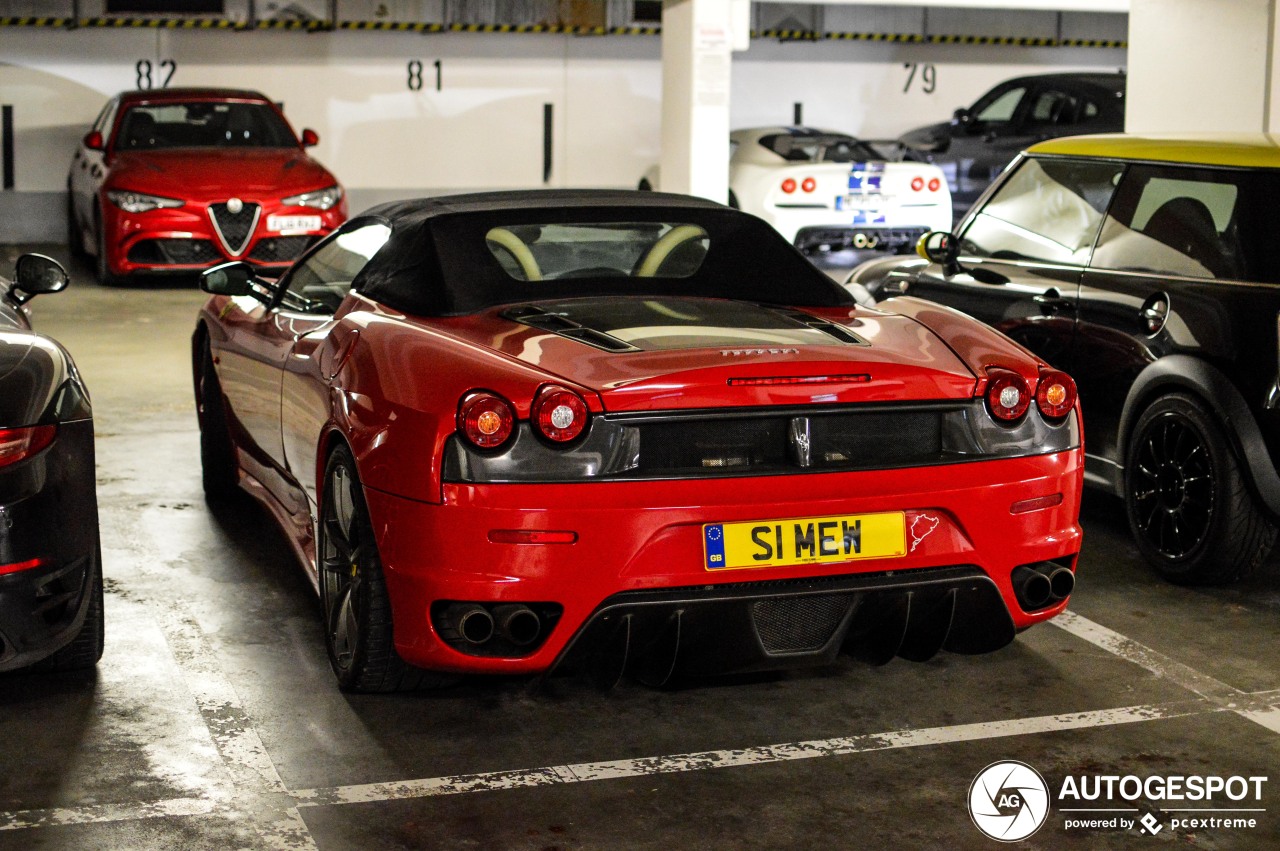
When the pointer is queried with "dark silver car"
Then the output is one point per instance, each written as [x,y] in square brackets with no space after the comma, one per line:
[979,141]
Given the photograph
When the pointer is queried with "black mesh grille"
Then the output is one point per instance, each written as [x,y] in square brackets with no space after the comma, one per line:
[234,228]
[798,624]
[875,439]
[174,252]
[280,249]
[715,445]
[861,441]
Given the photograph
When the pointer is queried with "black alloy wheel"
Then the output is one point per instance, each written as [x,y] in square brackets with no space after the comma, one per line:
[1188,503]
[353,592]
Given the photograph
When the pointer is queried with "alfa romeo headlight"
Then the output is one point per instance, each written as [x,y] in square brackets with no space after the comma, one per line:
[136,202]
[320,199]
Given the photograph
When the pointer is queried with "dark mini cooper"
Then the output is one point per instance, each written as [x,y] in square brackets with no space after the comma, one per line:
[1147,268]
[50,567]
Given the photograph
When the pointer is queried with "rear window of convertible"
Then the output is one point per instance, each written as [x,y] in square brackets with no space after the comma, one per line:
[598,250]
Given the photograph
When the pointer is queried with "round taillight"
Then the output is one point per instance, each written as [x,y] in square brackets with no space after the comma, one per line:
[917,183]
[934,184]
[485,419]
[1055,394]
[559,415]
[809,184]
[1007,395]
[789,185]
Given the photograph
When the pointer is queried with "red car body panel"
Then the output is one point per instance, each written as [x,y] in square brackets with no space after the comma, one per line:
[200,177]
[648,535]
[388,384]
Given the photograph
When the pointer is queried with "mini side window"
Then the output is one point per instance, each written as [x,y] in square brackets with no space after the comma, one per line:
[1047,210]
[1176,221]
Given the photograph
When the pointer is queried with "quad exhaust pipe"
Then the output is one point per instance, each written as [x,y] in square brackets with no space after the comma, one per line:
[472,621]
[476,625]
[1043,584]
[517,623]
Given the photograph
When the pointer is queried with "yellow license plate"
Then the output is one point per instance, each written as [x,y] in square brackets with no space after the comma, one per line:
[808,540]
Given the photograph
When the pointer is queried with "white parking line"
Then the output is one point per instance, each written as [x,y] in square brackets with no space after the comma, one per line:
[1262,708]
[588,772]
[246,759]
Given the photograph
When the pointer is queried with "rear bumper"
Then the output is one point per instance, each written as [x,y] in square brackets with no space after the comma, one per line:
[48,547]
[638,558]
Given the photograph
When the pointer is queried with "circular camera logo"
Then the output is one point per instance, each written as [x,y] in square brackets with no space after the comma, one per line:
[1009,800]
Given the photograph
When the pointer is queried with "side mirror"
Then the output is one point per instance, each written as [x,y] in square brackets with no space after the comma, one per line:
[939,247]
[236,278]
[962,116]
[35,274]
[94,142]
[310,138]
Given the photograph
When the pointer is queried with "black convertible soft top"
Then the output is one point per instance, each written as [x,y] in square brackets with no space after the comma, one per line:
[435,262]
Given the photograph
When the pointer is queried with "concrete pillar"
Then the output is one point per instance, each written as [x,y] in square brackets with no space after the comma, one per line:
[697,43]
[1203,66]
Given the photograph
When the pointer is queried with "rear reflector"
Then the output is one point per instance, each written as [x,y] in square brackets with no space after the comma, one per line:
[1036,504]
[768,381]
[19,444]
[531,536]
[18,566]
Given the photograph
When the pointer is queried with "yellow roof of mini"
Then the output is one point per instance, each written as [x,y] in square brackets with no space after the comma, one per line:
[1247,150]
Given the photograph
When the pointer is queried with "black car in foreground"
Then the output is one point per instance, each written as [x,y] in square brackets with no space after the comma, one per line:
[50,563]
[979,141]
[1146,268]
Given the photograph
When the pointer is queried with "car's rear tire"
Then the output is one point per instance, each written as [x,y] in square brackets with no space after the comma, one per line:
[353,591]
[219,472]
[1187,499]
[85,649]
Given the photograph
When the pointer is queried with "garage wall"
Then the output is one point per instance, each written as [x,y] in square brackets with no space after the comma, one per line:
[388,131]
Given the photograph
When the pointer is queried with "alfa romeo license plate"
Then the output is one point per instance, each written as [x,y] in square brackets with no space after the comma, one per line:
[281,224]
[808,540]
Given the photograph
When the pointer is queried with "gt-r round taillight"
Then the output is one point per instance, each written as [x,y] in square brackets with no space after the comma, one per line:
[809,184]
[917,183]
[559,415]
[789,185]
[1008,396]
[934,184]
[485,419]
[1055,394]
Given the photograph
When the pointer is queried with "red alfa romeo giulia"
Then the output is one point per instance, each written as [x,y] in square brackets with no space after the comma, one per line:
[176,180]
[630,432]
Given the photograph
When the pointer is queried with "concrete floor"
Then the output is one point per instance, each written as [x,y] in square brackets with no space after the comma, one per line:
[213,721]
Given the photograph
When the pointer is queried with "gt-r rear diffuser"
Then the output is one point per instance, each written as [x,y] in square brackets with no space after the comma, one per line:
[766,626]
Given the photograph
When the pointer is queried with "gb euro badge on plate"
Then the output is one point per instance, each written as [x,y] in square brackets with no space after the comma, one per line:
[807,540]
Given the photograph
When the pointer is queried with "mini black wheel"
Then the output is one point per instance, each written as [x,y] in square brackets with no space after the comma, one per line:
[353,591]
[1189,505]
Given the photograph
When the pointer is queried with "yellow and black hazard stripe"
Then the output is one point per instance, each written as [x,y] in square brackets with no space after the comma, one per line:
[290,25]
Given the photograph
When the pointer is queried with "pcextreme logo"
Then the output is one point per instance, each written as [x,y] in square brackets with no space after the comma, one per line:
[1009,801]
